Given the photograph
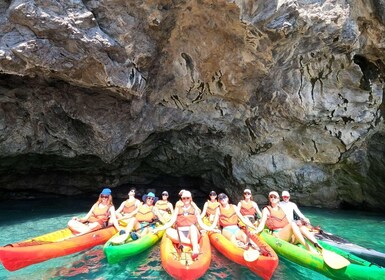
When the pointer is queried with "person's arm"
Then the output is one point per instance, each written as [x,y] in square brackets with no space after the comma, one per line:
[113,219]
[204,209]
[168,224]
[202,224]
[120,209]
[262,222]
[170,207]
[259,213]
[299,213]
[157,213]
[242,218]
[86,217]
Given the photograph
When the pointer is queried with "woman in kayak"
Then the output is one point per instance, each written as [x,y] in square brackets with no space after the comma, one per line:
[275,219]
[210,207]
[128,208]
[145,217]
[164,206]
[101,214]
[228,215]
[185,217]
[248,207]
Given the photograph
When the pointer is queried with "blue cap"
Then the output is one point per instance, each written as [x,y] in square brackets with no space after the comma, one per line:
[106,191]
[150,194]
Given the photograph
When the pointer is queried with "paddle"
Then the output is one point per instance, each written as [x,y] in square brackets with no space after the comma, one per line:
[122,237]
[250,255]
[332,259]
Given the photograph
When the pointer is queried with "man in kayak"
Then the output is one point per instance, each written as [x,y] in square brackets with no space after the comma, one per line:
[228,215]
[185,218]
[280,226]
[290,208]
[128,208]
[101,214]
[248,207]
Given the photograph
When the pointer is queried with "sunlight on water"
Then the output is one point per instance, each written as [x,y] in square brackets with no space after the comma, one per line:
[22,220]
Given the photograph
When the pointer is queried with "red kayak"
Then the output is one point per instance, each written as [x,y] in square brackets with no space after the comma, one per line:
[262,260]
[179,263]
[51,245]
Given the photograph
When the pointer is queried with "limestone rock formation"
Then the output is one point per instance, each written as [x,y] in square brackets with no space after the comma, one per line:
[229,94]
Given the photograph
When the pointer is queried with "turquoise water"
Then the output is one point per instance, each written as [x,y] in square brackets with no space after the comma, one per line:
[21,220]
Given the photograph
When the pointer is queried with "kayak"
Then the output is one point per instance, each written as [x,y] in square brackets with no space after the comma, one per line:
[116,252]
[362,252]
[179,263]
[355,268]
[265,263]
[51,245]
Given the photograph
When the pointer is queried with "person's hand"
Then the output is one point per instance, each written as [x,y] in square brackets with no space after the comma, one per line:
[215,230]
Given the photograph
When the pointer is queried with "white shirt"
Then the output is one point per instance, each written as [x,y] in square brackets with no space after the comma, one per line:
[289,208]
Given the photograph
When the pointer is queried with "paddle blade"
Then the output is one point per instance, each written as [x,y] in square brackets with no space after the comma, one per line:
[334,260]
[251,255]
[119,239]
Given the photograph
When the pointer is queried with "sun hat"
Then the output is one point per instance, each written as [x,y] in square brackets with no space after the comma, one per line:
[181,192]
[285,193]
[106,191]
[150,194]
[247,191]
[222,196]
[186,194]
[165,193]
[275,193]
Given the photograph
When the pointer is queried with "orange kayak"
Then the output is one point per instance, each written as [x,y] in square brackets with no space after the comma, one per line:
[264,266]
[179,264]
[51,245]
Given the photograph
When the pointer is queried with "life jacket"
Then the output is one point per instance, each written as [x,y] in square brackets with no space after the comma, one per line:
[129,206]
[277,218]
[211,207]
[99,215]
[186,217]
[163,205]
[227,217]
[145,214]
[247,208]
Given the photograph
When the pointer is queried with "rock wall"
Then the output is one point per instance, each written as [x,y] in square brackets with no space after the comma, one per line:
[269,95]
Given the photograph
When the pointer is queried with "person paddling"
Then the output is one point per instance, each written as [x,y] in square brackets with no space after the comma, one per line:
[101,214]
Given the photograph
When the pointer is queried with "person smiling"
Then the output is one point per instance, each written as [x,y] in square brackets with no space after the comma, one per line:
[100,215]
[186,217]
[276,221]
[248,207]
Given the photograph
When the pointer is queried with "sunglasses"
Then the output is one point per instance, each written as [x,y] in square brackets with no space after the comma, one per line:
[164,194]
[186,198]
[247,193]
[223,198]
[273,196]
[150,198]
[213,194]
[285,196]
[104,196]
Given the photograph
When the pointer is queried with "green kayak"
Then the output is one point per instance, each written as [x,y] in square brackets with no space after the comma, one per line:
[357,269]
[116,252]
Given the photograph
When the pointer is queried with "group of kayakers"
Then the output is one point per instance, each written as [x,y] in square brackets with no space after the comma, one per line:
[184,222]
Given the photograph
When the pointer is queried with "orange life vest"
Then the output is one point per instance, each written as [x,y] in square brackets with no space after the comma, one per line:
[227,217]
[163,205]
[99,215]
[186,217]
[211,207]
[145,214]
[277,218]
[129,206]
[247,208]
